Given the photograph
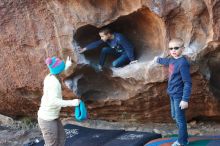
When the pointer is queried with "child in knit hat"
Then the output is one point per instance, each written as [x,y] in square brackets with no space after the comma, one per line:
[51,103]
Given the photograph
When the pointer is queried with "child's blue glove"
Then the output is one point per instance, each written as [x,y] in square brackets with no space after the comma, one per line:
[81,112]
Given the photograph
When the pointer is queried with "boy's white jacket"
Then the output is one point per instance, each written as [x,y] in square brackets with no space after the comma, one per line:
[51,101]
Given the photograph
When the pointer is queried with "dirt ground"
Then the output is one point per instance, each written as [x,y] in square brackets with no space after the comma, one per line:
[20,132]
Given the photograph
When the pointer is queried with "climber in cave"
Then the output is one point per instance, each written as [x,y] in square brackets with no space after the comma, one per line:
[116,45]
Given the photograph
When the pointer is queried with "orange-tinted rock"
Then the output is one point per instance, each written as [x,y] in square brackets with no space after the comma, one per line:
[33,30]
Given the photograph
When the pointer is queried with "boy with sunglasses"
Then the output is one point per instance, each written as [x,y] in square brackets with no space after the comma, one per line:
[179,87]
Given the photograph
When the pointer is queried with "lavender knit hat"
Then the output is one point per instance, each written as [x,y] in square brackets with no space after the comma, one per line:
[55,65]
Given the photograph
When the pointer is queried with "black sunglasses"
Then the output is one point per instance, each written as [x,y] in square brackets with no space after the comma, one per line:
[175,48]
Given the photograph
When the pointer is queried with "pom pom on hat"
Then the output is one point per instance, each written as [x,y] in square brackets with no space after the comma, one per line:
[48,61]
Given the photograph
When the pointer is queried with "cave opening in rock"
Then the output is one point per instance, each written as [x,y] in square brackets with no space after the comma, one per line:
[213,65]
[209,66]
[142,27]
[91,85]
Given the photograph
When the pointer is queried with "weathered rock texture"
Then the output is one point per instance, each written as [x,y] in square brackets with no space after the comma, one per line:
[34,30]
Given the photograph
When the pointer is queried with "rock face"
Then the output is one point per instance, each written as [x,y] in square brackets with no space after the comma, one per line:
[34,30]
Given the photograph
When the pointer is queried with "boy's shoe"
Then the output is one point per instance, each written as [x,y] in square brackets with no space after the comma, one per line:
[97,67]
[176,143]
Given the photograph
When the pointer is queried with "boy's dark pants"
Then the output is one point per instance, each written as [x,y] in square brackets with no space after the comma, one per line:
[120,61]
[179,116]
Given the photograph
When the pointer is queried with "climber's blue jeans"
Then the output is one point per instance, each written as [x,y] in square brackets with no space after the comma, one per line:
[179,116]
[121,60]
